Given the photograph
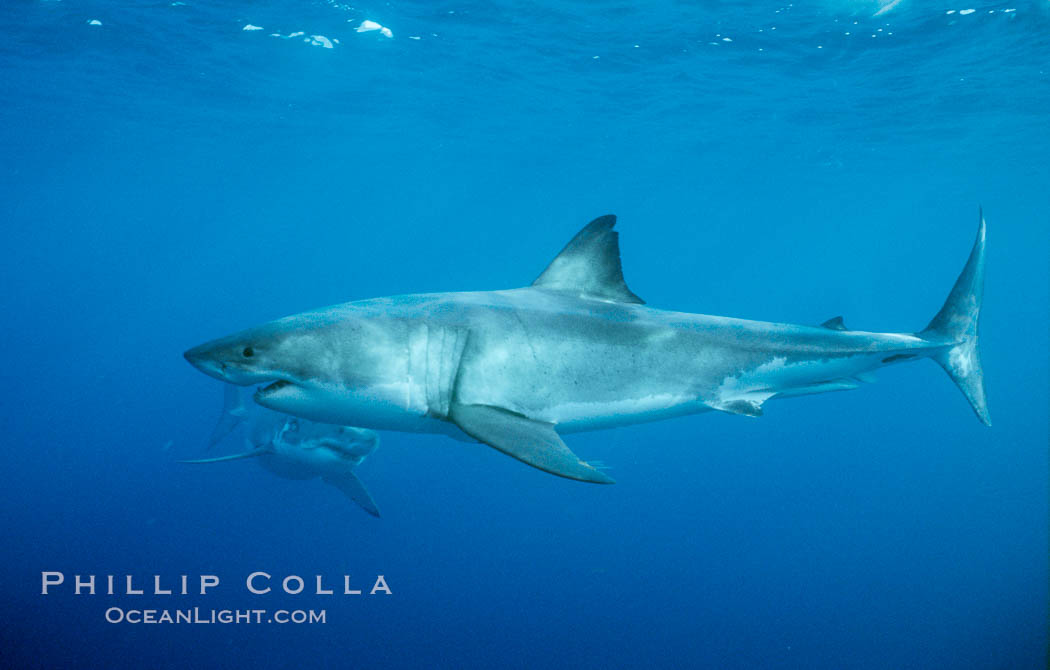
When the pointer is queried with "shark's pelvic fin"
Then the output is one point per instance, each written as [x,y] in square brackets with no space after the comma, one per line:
[744,407]
[955,326]
[532,442]
[835,323]
[589,265]
[352,488]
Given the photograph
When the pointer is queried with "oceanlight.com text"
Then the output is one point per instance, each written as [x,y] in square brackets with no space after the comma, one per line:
[197,615]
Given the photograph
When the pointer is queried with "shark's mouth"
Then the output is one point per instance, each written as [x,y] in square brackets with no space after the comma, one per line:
[270,393]
[276,386]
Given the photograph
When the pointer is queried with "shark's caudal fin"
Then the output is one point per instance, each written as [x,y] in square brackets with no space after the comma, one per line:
[955,326]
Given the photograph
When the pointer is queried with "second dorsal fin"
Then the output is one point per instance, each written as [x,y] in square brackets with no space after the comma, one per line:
[589,265]
[834,323]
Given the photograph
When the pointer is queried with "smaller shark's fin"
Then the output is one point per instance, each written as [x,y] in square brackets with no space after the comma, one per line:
[589,265]
[232,457]
[233,413]
[532,442]
[834,323]
[353,489]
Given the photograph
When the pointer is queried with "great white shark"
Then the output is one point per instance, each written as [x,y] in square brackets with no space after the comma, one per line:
[574,351]
[294,448]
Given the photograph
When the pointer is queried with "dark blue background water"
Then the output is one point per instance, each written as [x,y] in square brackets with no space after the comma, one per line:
[167,177]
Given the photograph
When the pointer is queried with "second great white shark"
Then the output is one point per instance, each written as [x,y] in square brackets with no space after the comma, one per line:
[576,350]
[293,448]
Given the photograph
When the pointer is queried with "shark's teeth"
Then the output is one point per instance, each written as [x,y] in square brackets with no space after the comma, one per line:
[279,384]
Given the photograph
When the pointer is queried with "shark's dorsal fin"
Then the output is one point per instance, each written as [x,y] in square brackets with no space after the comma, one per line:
[834,323]
[589,265]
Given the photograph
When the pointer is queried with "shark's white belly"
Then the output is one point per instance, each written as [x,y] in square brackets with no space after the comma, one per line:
[581,386]
[581,416]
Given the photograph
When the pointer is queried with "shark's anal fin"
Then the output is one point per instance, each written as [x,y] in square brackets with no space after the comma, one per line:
[532,442]
[834,323]
[589,265]
[352,488]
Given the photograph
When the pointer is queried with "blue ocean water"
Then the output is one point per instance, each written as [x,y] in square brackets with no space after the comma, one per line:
[169,175]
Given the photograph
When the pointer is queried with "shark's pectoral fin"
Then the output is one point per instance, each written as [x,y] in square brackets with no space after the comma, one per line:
[254,453]
[352,488]
[533,442]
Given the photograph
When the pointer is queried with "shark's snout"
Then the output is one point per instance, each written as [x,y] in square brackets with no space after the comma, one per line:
[203,358]
[229,360]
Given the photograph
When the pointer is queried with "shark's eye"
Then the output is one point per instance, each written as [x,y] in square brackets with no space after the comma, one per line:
[248,352]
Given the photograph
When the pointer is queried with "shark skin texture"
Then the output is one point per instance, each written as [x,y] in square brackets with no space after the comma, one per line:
[576,350]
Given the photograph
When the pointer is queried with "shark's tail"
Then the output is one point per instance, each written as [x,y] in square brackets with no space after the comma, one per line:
[955,328]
